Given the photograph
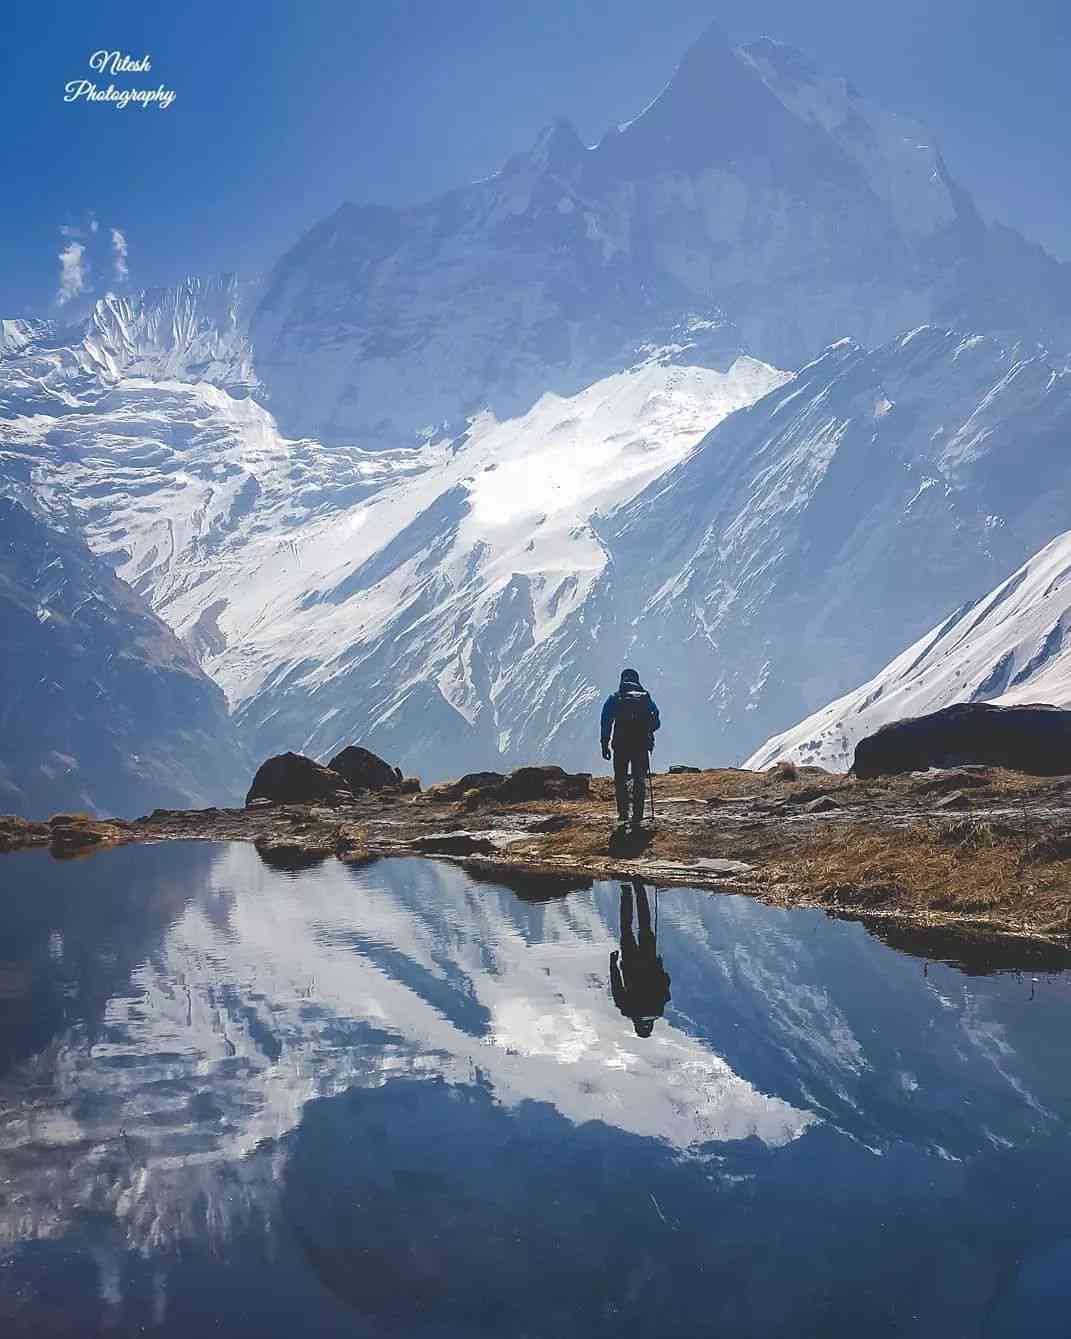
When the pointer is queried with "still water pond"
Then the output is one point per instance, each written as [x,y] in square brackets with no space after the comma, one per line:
[394,1100]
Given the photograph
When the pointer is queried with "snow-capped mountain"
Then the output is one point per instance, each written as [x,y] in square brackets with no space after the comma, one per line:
[422,601]
[193,332]
[469,602]
[754,191]
[1010,647]
[811,535]
[551,436]
[101,708]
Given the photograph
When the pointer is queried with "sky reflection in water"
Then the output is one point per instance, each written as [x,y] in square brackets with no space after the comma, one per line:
[394,1099]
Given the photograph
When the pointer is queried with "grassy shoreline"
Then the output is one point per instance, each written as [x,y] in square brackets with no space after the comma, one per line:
[977,849]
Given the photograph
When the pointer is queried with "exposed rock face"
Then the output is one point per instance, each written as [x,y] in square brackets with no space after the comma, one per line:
[363,770]
[291,778]
[1035,739]
[101,707]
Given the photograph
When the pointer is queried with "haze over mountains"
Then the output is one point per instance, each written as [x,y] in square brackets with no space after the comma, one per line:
[753,191]
[747,394]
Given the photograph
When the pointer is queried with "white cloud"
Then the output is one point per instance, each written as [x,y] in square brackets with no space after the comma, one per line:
[93,224]
[69,230]
[72,272]
[119,253]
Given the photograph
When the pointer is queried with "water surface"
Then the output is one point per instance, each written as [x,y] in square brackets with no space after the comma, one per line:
[395,1100]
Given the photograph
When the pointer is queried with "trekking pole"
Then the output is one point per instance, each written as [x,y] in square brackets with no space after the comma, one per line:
[650,789]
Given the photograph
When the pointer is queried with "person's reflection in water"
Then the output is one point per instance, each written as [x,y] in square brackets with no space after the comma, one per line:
[638,981]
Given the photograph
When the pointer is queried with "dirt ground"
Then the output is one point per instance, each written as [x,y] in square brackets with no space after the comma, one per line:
[971,847]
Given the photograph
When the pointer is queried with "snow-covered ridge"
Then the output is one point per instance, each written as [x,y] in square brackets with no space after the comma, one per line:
[898,157]
[193,332]
[1011,647]
[291,568]
[15,335]
[757,543]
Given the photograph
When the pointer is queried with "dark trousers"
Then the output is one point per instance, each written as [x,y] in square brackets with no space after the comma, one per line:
[630,764]
[646,947]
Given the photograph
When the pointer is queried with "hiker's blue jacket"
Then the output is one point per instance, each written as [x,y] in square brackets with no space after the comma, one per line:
[609,712]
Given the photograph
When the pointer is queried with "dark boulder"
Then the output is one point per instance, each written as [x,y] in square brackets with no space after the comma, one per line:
[1034,739]
[543,783]
[526,783]
[291,778]
[471,781]
[363,770]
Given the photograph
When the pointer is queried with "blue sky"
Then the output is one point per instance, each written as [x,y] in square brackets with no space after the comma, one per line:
[283,110]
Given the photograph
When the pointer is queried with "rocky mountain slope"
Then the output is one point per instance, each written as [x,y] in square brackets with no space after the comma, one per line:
[1011,647]
[754,192]
[101,708]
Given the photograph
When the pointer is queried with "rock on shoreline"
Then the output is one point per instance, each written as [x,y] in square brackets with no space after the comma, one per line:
[997,858]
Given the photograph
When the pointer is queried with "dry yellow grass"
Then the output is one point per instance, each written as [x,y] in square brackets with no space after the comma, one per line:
[1001,856]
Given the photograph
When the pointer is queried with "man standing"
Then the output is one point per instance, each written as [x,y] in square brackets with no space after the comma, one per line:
[629,720]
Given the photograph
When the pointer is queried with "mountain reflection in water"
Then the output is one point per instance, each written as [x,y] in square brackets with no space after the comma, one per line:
[394,1098]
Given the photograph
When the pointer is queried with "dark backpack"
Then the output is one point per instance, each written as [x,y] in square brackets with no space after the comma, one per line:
[632,719]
